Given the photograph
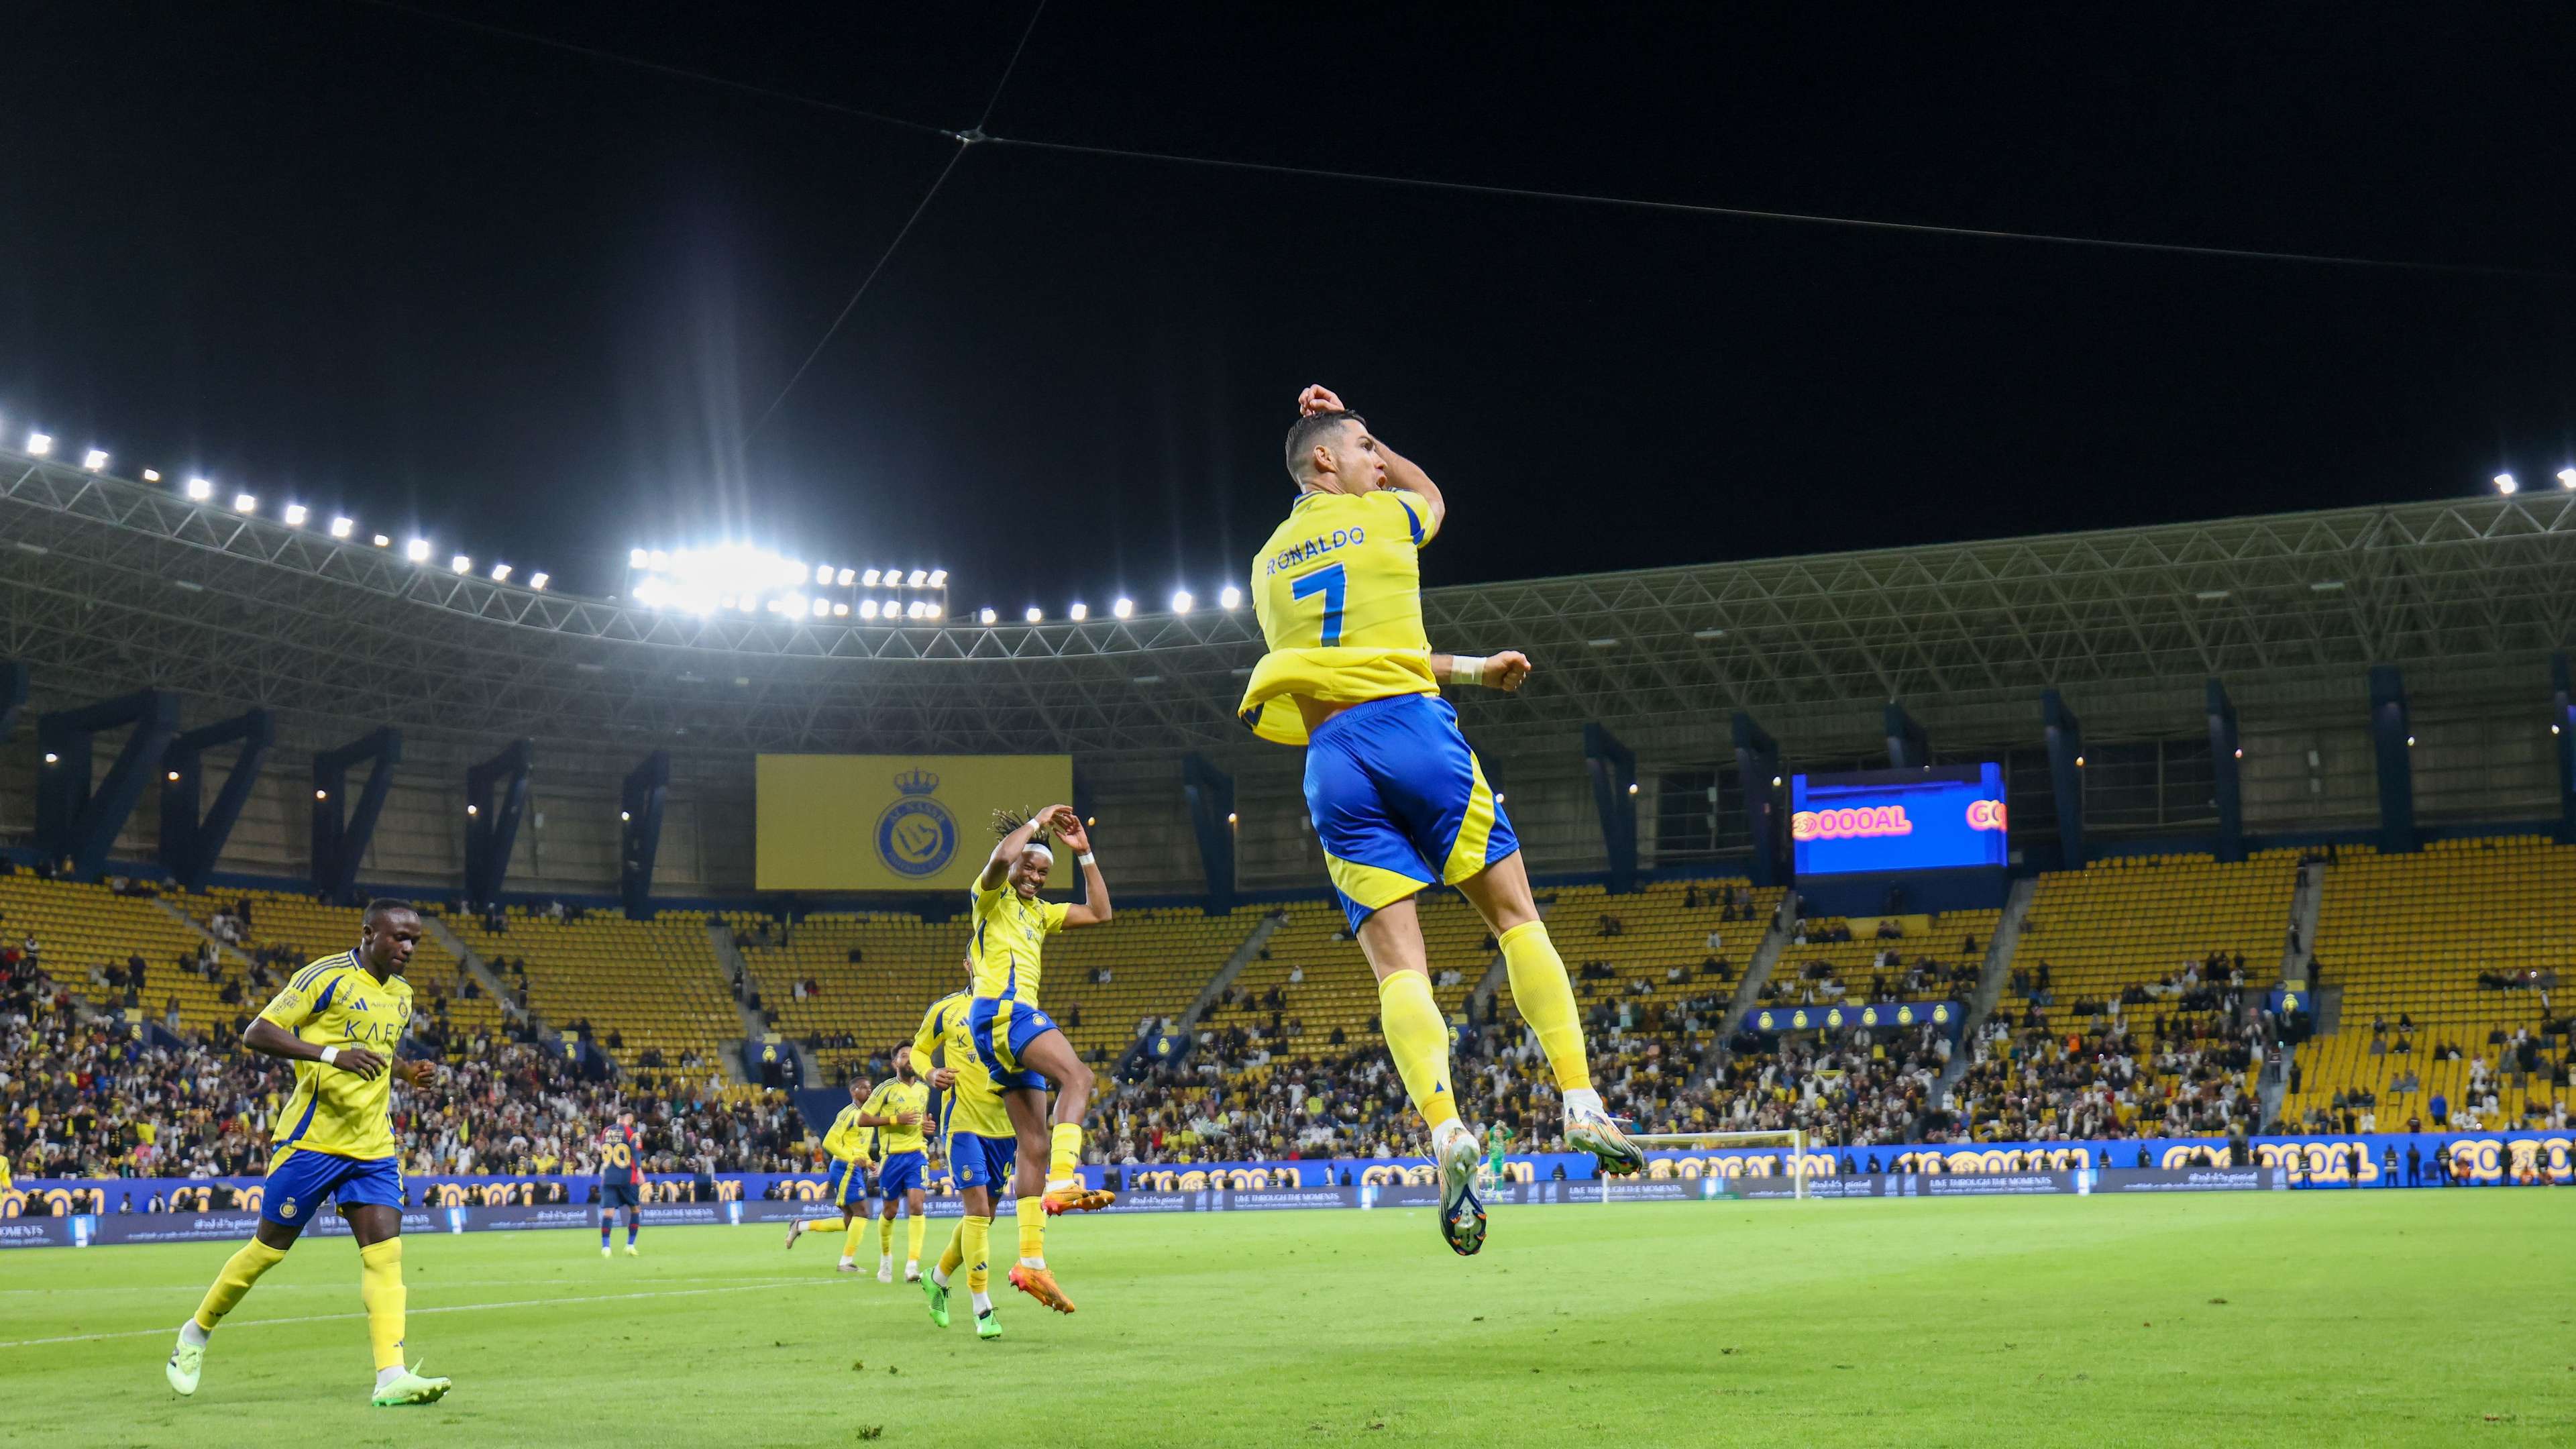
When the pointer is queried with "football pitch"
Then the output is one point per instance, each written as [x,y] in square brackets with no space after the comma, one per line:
[2280,1319]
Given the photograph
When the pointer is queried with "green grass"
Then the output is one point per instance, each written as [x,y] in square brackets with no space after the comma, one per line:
[2279,1319]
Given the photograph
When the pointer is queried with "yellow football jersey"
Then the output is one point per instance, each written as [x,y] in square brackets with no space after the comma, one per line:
[974,1106]
[1338,590]
[337,1002]
[893,1096]
[848,1141]
[1007,935]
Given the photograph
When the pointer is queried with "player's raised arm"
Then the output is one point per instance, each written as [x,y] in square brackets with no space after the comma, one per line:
[1506,671]
[1401,471]
[1006,852]
[1094,908]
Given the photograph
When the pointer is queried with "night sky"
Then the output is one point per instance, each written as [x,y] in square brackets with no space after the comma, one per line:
[531,301]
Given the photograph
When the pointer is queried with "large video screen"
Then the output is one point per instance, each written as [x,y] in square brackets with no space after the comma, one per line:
[1947,818]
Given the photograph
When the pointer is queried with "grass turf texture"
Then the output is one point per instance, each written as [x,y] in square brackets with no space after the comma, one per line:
[2347,1318]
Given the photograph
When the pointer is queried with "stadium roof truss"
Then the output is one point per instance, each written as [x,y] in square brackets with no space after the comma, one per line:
[111,585]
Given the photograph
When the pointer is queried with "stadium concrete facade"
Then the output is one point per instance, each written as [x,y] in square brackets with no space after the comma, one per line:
[108,586]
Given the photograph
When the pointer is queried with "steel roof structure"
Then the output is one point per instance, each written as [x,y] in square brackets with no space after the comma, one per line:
[108,585]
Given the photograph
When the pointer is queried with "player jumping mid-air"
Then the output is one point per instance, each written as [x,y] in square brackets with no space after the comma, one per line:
[851,1142]
[1397,798]
[621,1180]
[1019,1044]
[339,1020]
[896,1109]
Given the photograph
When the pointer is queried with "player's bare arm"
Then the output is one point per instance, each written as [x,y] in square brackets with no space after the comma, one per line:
[1401,472]
[1093,910]
[271,1040]
[1006,852]
[1506,671]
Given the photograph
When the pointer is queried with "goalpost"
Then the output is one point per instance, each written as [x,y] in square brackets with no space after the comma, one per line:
[1795,1139]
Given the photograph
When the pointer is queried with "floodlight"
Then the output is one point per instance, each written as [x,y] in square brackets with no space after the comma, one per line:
[986,616]
[1181,601]
[1035,614]
[637,558]
[822,607]
[2567,477]
[1123,608]
[2505,485]
[939,578]
[846,577]
[869,578]
[822,573]
[1080,612]
[417,550]
[867,608]
[383,542]
[296,513]
[151,475]
[245,503]
[1230,596]
[915,579]
[840,611]
[538,581]
[340,527]
[40,443]
[199,490]
[94,460]
[500,573]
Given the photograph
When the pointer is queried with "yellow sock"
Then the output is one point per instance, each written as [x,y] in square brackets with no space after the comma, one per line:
[239,1273]
[1032,1212]
[1418,1038]
[1064,1151]
[380,1287]
[1546,1000]
[850,1240]
[978,1233]
[818,1225]
[885,1237]
[915,1228]
[953,1257]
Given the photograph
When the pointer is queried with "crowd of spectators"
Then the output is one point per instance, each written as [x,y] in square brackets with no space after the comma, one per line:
[89,1093]
[2177,1074]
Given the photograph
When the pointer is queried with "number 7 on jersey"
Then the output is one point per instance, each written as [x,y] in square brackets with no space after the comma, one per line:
[1328,581]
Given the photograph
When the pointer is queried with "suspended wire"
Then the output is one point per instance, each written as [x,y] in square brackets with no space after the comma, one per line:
[965,142]
[657,67]
[864,283]
[1025,32]
[1743,213]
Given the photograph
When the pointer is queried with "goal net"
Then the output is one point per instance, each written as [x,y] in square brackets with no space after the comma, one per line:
[1793,1139]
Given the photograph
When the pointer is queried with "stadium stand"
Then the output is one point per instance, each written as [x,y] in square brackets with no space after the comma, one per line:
[853,987]
[1884,958]
[124,953]
[649,992]
[2447,964]
[2132,1004]
[282,930]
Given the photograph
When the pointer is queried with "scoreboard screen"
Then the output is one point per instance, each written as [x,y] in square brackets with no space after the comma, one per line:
[1947,818]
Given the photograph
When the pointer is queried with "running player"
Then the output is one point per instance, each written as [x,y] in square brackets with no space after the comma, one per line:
[896,1110]
[621,1180]
[1019,1044]
[850,1142]
[1396,796]
[976,1136]
[340,1020]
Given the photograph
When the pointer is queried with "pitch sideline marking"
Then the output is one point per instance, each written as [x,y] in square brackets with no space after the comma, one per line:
[443,1308]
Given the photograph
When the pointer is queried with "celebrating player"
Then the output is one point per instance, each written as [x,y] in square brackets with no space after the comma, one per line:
[851,1142]
[980,1146]
[340,1021]
[1019,1044]
[896,1110]
[621,1180]
[1397,798]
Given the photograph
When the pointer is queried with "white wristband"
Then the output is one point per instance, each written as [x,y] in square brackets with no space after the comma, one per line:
[1083,859]
[330,1056]
[1466,669]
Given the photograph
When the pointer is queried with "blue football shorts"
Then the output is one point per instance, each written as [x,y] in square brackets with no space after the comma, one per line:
[1400,802]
